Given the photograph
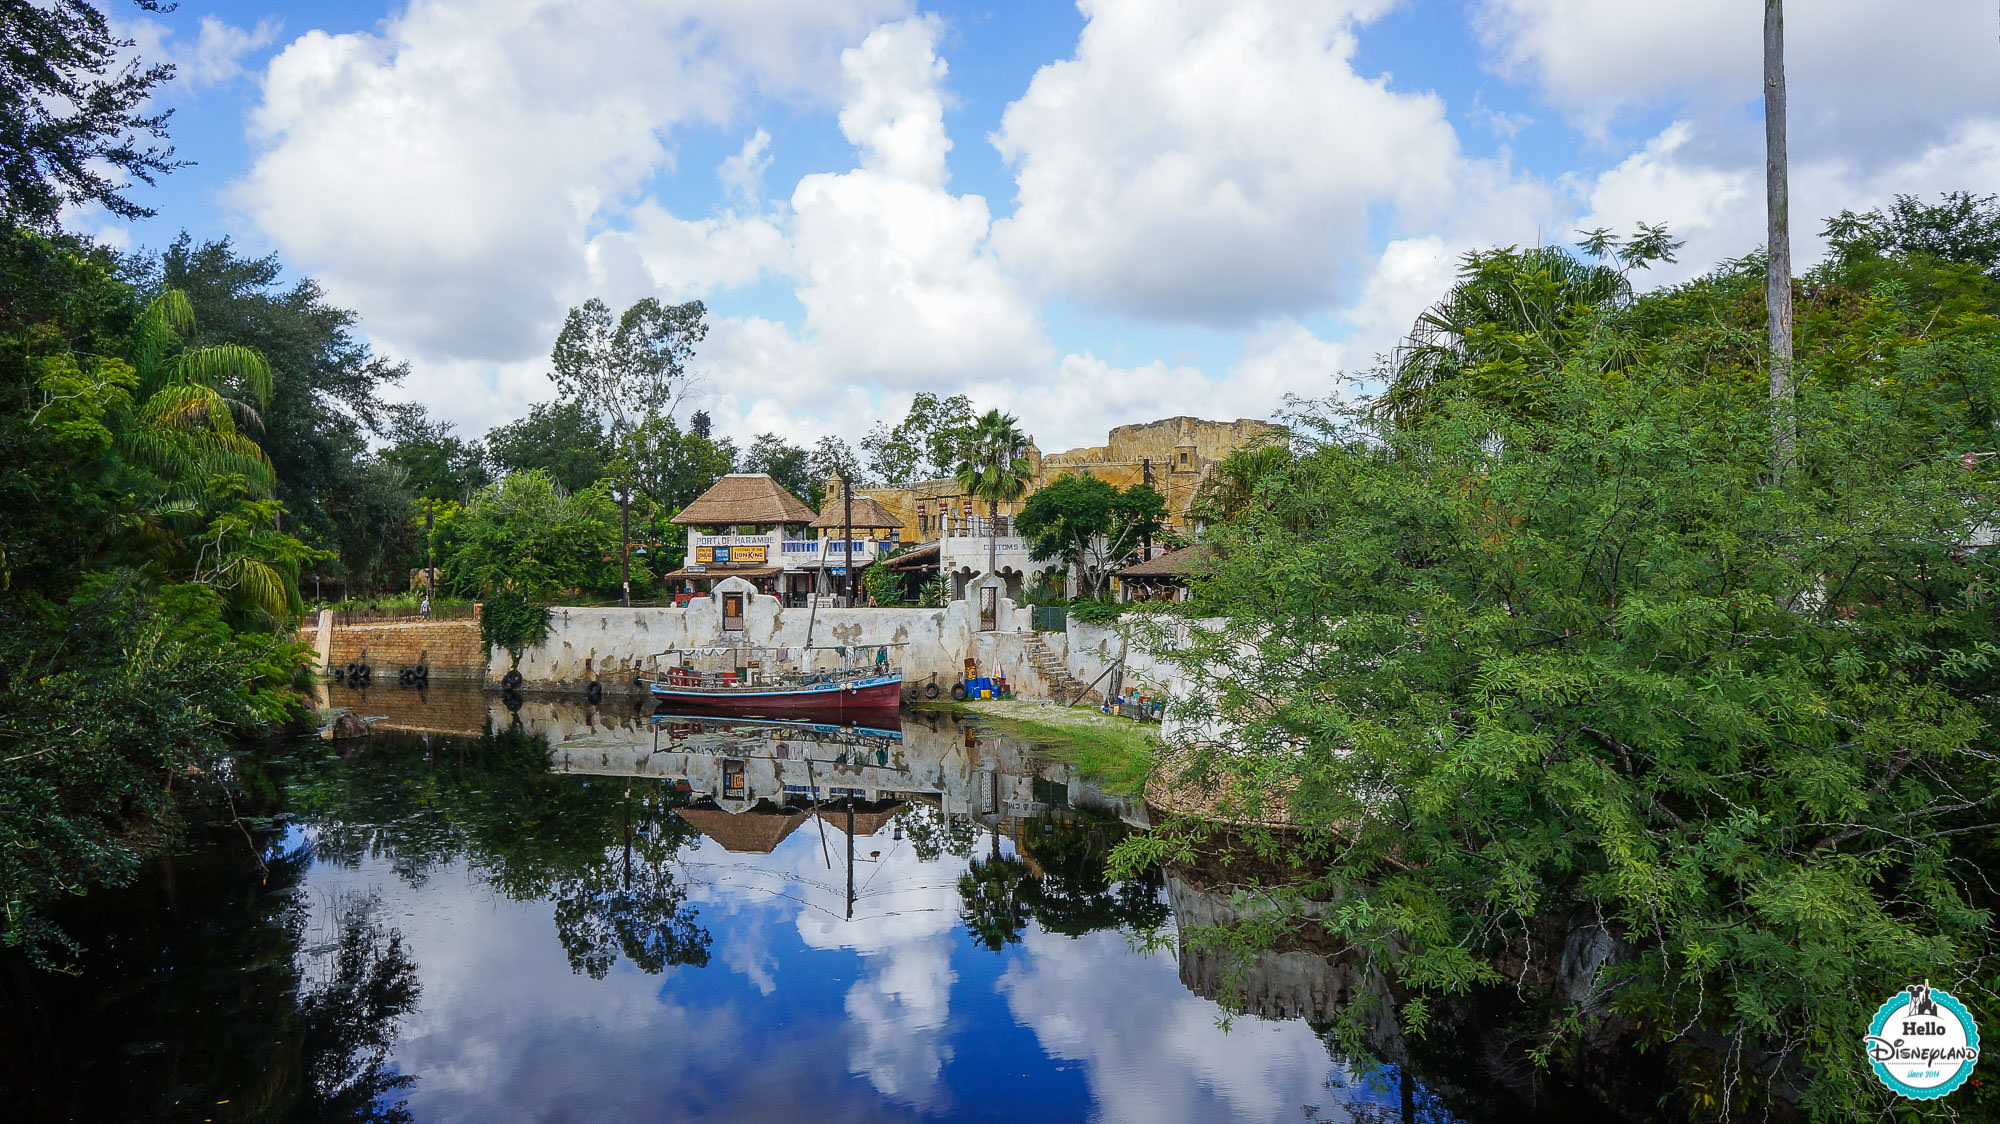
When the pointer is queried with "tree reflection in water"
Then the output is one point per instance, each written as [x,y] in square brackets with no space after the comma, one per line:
[200,994]
[600,850]
[1060,881]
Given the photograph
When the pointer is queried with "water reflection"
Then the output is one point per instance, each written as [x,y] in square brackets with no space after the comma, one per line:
[617,917]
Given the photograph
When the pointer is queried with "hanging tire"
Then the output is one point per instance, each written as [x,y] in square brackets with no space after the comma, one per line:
[340,675]
[421,673]
[512,680]
[930,690]
[958,692]
[406,677]
[594,692]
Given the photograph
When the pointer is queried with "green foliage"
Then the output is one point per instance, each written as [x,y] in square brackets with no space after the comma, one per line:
[509,622]
[1961,227]
[322,404]
[883,584]
[928,443]
[527,536]
[1092,526]
[1230,486]
[436,464]
[562,439]
[106,700]
[1556,657]
[75,110]
[628,371]
[1097,610]
[788,464]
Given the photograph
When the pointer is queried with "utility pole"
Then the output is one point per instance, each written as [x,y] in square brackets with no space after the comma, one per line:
[847,535]
[430,563]
[1146,475]
[1778,243]
[625,545]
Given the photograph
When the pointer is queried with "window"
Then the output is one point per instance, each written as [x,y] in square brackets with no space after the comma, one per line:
[1183,457]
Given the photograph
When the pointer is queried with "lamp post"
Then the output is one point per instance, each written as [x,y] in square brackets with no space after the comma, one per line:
[625,547]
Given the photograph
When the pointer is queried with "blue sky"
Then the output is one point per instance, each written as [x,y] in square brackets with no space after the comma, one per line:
[1088,214]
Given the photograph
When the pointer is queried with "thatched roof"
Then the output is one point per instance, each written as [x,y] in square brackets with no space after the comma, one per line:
[867,820]
[869,514]
[757,831]
[744,497]
[1173,564]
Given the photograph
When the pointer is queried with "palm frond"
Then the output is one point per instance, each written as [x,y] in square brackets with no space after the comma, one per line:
[225,364]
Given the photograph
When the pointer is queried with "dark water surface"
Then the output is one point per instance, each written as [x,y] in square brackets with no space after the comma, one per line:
[557,913]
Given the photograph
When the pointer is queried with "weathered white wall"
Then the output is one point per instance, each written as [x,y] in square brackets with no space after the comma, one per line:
[617,644]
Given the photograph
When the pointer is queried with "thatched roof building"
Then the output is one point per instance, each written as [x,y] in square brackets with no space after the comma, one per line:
[869,515]
[869,817]
[744,498]
[1166,577]
[754,831]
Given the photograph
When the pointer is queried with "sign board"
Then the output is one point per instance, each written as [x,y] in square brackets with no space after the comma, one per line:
[838,571]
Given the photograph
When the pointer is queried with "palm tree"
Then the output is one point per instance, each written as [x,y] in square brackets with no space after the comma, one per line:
[216,518]
[1503,330]
[994,467]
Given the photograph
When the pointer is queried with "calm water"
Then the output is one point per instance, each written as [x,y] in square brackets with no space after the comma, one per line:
[556,913]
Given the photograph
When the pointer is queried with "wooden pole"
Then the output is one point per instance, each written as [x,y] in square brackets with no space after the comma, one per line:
[1777,209]
[847,535]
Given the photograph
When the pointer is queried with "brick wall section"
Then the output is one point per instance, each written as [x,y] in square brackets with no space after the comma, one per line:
[445,708]
[451,649]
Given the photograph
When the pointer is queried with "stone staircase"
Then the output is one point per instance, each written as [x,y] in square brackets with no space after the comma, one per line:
[1063,687]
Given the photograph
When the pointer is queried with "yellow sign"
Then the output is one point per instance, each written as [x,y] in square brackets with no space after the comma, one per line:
[703,554]
[748,553]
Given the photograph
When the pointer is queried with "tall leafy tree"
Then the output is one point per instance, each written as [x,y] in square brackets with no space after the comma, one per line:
[1092,525]
[74,124]
[437,463]
[324,399]
[1532,680]
[630,368]
[786,463]
[994,467]
[926,444]
[526,536]
[561,438]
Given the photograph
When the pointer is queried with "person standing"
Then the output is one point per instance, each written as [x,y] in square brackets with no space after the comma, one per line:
[425,609]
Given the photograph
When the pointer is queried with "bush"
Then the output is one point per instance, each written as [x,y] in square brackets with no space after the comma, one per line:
[509,621]
[1090,610]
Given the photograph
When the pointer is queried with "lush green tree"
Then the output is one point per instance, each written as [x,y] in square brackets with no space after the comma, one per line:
[323,400]
[75,116]
[994,466]
[563,439]
[1960,227]
[1232,483]
[1091,525]
[786,463]
[527,536]
[1562,666]
[928,443]
[629,370]
[989,894]
[1513,320]
[438,464]
[671,468]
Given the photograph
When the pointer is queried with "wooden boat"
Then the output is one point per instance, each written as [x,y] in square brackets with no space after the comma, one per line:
[751,690]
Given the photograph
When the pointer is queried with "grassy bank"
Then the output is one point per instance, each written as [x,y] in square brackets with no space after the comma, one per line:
[1116,752]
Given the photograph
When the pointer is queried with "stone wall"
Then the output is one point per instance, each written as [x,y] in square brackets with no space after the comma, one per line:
[451,649]
[614,645]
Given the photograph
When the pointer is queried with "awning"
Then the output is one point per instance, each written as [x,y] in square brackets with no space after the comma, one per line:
[922,558]
[718,575]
